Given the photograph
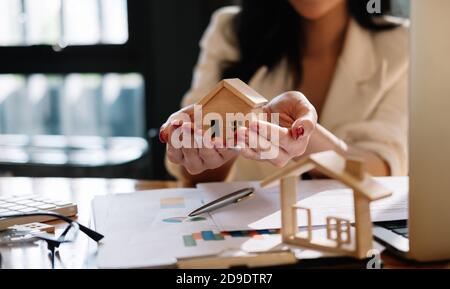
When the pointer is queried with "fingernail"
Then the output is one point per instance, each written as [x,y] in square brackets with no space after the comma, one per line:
[162,137]
[176,123]
[298,132]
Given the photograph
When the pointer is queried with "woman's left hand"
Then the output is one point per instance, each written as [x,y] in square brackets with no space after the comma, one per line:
[279,143]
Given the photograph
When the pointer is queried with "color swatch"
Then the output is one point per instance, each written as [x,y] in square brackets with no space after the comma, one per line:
[172,203]
[174,220]
[191,240]
[177,220]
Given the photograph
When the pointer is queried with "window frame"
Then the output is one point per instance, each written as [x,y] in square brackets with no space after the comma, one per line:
[160,47]
[96,58]
[120,58]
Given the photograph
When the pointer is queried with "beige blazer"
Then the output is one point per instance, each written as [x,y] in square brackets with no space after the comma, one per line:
[366,105]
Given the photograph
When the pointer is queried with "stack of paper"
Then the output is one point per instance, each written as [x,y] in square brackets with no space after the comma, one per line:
[150,228]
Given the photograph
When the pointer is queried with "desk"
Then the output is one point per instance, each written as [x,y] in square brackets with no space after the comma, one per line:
[81,192]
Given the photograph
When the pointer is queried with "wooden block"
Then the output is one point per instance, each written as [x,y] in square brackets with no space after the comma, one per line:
[238,259]
[363,225]
[355,168]
[288,200]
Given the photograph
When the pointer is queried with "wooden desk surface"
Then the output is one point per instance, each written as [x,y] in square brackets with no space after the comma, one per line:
[81,191]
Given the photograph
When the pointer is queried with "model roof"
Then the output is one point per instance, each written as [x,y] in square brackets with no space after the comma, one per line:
[238,88]
[336,167]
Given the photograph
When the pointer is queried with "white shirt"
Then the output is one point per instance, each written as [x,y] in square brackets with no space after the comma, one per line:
[366,105]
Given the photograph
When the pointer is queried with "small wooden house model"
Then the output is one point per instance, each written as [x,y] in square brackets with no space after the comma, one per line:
[341,236]
[232,97]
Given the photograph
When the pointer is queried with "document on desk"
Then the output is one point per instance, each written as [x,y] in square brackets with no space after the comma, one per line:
[151,229]
[324,198]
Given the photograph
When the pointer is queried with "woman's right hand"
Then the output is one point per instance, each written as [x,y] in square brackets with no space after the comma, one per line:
[196,153]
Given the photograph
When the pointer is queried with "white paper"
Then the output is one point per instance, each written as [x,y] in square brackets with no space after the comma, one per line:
[324,198]
[137,234]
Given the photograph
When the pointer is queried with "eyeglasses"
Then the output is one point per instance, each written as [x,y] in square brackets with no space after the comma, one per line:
[68,235]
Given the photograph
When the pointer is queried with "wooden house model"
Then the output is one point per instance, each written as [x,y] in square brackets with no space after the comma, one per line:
[230,96]
[341,237]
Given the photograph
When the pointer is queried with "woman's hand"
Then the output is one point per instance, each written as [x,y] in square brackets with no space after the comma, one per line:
[187,147]
[279,143]
[299,133]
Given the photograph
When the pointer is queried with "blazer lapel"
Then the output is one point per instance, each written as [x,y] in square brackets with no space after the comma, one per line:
[271,84]
[358,82]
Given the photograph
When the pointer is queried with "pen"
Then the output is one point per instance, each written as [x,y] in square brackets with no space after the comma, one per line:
[223,201]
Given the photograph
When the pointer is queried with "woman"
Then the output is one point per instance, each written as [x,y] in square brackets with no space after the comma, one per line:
[352,70]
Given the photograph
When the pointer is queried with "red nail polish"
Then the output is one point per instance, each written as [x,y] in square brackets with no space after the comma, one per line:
[299,132]
[162,137]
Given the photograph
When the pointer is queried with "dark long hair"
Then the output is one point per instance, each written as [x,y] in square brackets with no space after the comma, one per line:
[269,30]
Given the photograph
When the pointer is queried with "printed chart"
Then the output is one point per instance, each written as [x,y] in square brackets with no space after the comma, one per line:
[178,220]
[172,203]
[193,239]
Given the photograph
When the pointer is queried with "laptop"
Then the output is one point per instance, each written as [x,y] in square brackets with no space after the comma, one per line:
[426,235]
